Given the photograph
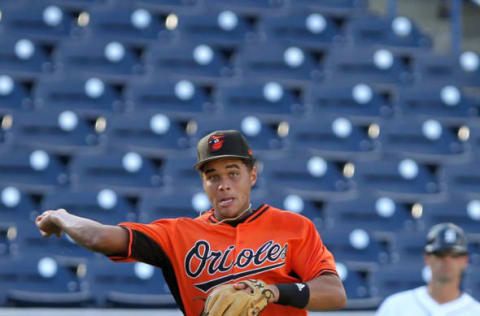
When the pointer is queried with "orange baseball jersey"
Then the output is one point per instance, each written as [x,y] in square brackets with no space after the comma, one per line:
[198,254]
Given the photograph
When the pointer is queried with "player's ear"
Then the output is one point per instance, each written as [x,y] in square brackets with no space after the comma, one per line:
[253,176]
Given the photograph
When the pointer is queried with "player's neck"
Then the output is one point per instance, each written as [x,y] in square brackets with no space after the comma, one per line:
[237,219]
[444,292]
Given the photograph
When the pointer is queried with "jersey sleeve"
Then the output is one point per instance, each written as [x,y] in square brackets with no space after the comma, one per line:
[312,258]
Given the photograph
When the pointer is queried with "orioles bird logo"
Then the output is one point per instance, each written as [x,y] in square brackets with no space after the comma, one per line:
[215,142]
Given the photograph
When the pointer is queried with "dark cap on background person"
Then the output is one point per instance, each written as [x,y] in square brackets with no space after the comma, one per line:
[446,237]
[222,144]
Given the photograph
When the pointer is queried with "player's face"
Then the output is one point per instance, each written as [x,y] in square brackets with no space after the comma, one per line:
[227,183]
[446,267]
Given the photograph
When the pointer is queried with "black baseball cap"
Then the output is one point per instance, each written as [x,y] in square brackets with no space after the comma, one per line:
[222,144]
[446,237]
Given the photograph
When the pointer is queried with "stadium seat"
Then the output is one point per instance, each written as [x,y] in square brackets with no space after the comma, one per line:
[397,177]
[218,28]
[127,172]
[397,32]
[171,204]
[247,6]
[335,6]
[183,97]
[177,5]
[375,213]
[283,62]
[106,58]
[178,172]
[7,230]
[425,139]
[15,205]
[127,284]
[472,282]
[269,99]
[392,279]
[24,56]
[15,94]
[371,65]
[408,247]
[433,101]
[184,59]
[335,136]
[310,175]
[104,206]
[60,132]
[461,177]
[90,95]
[351,100]
[34,170]
[357,281]
[148,132]
[305,28]
[42,281]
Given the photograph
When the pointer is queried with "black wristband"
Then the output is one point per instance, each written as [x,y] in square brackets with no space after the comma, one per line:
[293,294]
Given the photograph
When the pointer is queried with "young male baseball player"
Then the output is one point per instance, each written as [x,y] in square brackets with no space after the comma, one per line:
[238,260]
[447,256]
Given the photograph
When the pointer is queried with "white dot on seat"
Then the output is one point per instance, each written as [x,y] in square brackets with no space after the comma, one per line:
[10,196]
[272,92]
[67,121]
[342,127]
[184,90]
[47,267]
[469,61]
[107,199]
[408,169]
[251,126]
[342,270]
[94,88]
[315,23]
[383,59]
[362,93]
[140,19]
[359,239]
[293,57]
[24,49]
[450,95]
[317,166]
[473,210]
[52,16]
[39,160]
[426,274]
[432,129]
[200,202]
[203,54]
[227,20]
[294,203]
[143,271]
[114,52]
[401,26]
[160,124]
[385,207]
[6,85]
[132,162]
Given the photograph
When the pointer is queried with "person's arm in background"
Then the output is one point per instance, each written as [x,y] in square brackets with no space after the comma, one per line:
[106,239]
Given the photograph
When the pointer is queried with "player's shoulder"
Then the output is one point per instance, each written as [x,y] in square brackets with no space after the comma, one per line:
[400,298]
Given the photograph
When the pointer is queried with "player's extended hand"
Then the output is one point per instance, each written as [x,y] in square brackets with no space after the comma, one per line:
[246,298]
[47,225]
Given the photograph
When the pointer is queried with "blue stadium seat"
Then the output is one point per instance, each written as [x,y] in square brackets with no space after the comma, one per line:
[178,172]
[247,6]
[425,139]
[219,28]
[15,205]
[357,281]
[183,59]
[127,284]
[177,5]
[24,56]
[6,241]
[398,32]
[125,172]
[474,248]
[461,177]
[180,97]
[146,132]
[90,95]
[34,170]
[41,21]
[408,247]
[59,132]
[127,22]
[395,278]
[358,100]
[395,177]
[104,206]
[336,6]
[270,99]
[15,94]
[310,175]
[106,58]
[331,135]
[370,65]
[472,282]
[446,102]
[42,282]
[274,60]
[171,204]
[374,213]
[304,29]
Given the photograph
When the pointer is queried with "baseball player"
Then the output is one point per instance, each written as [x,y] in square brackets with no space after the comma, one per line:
[447,256]
[232,259]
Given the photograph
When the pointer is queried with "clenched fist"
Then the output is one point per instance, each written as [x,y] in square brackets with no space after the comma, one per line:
[47,223]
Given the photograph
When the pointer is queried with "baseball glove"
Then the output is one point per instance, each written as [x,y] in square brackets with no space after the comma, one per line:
[228,301]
